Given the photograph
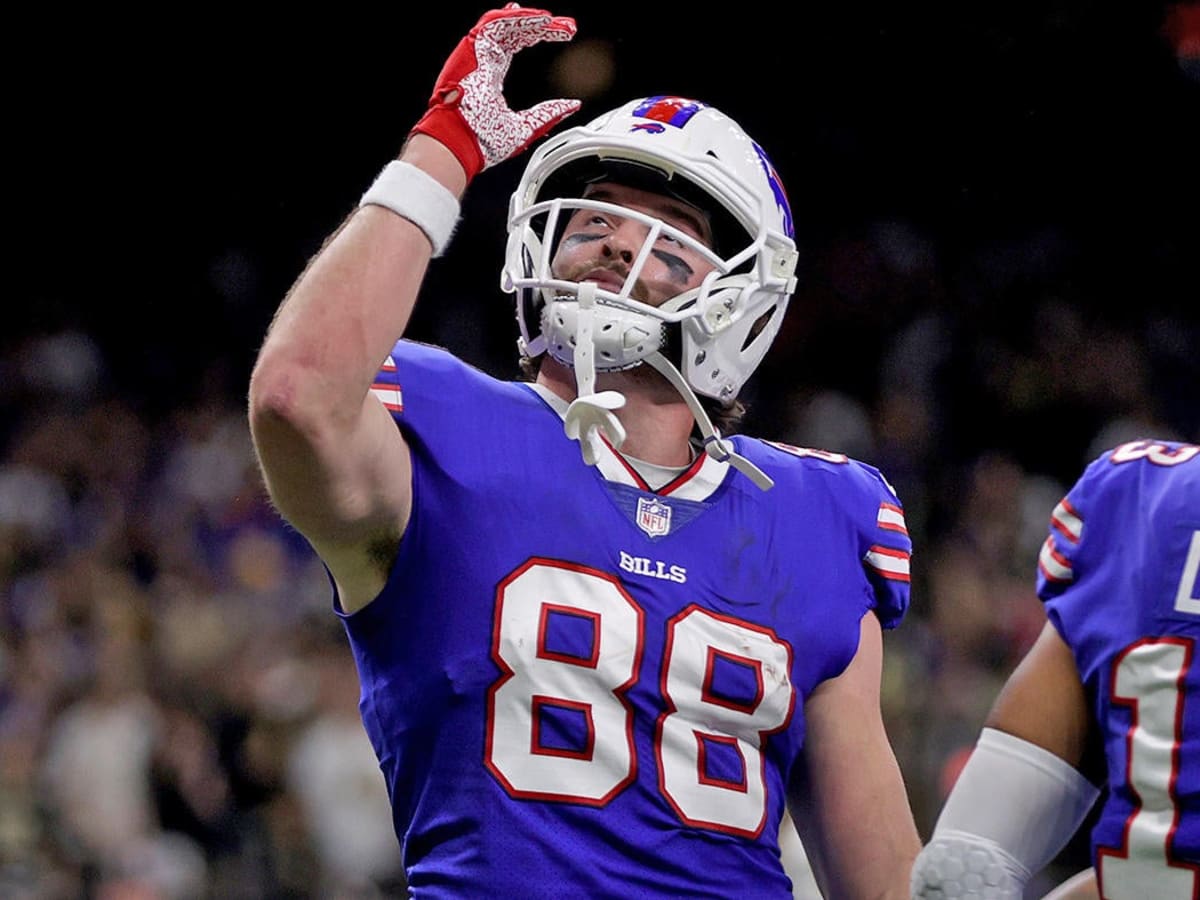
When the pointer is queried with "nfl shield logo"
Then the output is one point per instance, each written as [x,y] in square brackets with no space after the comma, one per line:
[653,516]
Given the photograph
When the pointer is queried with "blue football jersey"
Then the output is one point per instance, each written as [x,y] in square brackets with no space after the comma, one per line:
[1118,575]
[581,687]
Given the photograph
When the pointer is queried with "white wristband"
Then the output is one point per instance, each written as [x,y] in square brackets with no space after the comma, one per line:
[416,195]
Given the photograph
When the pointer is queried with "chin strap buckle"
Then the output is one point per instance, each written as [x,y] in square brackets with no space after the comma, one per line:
[716,447]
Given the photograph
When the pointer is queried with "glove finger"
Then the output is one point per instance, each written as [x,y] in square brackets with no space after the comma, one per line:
[544,116]
[508,11]
[517,11]
[561,28]
[520,31]
[498,40]
[508,23]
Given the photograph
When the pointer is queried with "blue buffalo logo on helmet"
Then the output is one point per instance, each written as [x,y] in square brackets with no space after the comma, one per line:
[678,111]
[776,183]
[675,111]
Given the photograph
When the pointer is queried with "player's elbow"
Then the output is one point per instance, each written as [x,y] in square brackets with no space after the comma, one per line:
[273,397]
[966,865]
[284,407]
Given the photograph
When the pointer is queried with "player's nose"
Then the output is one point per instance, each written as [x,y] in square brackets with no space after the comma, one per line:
[625,240]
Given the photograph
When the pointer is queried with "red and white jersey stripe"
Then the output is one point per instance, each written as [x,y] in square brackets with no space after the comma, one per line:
[1053,564]
[387,388]
[890,563]
[1067,521]
[891,518]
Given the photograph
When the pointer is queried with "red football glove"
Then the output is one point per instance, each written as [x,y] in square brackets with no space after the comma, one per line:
[468,112]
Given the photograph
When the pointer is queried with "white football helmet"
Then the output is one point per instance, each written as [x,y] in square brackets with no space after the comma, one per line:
[715,335]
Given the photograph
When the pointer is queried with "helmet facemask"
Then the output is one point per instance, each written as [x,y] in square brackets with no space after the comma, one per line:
[627,329]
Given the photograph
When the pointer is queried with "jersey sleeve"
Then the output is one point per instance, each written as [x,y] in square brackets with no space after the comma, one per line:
[418,382]
[386,387]
[1136,481]
[887,548]
[857,495]
[1057,559]
[449,411]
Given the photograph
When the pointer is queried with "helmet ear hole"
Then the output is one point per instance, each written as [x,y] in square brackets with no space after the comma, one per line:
[757,328]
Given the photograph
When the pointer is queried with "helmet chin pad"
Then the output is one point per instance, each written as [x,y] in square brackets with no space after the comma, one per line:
[621,337]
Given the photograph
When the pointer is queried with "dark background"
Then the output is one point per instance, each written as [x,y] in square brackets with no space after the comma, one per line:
[172,185]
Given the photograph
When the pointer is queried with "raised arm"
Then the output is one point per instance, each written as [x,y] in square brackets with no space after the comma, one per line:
[334,463]
[849,800]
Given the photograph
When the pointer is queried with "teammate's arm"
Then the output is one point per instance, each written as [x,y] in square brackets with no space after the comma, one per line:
[1043,701]
[848,798]
[1020,797]
[1081,886]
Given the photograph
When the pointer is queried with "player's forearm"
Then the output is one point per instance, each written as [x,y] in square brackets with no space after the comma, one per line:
[859,822]
[348,308]
[871,856]
[1014,805]
[862,845]
[876,864]
[310,383]
[869,834]
[341,318]
[321,440]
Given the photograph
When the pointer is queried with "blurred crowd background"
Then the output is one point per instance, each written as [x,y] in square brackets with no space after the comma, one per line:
[998,210]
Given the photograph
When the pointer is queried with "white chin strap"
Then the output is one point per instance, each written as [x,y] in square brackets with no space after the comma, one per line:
[715,446]
[590,415]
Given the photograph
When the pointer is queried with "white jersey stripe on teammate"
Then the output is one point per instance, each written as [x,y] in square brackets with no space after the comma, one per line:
[1066,520]
[1054,565]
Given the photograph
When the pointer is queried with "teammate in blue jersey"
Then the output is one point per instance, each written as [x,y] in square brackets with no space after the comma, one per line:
[1106,702]
[602,646]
